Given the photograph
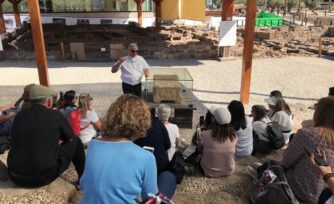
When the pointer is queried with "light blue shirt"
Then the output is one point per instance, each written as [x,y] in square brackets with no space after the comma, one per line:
[117,172]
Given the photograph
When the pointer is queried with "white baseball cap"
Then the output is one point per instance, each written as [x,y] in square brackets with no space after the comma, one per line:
[271,100]
[221,115]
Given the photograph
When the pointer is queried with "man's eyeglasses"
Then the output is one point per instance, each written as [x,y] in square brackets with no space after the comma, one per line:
[134,51]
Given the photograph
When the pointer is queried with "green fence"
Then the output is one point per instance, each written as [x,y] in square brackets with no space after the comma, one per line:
[269,20]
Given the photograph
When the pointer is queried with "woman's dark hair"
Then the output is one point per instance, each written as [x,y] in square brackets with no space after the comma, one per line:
[238,118]
[259,112]
[208,120]
[222,132]
[281,104]
[69,97]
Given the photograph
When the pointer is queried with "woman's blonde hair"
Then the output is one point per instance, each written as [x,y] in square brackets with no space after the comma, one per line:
[127,117]
[324,119]
[83,104]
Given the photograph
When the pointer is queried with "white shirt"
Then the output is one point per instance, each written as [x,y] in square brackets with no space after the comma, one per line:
[133,69]
[285,121]
[88,133]
[173,133]
[244,145]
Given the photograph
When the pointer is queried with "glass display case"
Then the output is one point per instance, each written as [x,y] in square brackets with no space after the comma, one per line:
[173,86]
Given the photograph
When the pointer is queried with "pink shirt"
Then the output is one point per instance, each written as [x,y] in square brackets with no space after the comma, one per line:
[217,157]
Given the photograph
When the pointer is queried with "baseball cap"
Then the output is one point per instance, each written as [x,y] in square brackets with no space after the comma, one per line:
[271,100]
[26,91]
[221,115]
[40,91]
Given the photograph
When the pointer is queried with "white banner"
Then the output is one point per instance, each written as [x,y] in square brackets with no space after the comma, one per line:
[228,33]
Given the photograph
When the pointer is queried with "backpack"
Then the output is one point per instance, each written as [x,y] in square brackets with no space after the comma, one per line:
[74,118]
[276,192]
[275,135]
[177,166]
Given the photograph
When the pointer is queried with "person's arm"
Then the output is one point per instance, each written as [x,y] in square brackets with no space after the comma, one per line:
[116,66]
[165,136]
[149,184]
[146,72]
[94,118]
[8,116]
[146,68]
[200,142]
[295,149]
[324,170]
[66,131]
[177,140]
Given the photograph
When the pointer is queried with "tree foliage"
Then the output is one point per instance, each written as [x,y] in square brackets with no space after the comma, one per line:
[312,4]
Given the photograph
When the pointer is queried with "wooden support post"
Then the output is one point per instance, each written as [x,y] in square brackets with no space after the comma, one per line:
[2,20]
[248,51]
[227,9]
[38,38]
[16,12]
[62,50]
[140,12]
[320,47]
[158,13]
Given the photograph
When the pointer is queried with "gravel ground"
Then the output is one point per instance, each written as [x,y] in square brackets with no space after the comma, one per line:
[303,80]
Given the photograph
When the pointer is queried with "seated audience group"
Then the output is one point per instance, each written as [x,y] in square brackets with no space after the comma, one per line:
[137,150]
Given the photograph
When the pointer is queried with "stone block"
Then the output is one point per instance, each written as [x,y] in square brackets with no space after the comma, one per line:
[115,54]
[78,50]
[166,88]
[117,46]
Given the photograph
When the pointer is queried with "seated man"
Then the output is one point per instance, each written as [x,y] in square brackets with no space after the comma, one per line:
[42,143]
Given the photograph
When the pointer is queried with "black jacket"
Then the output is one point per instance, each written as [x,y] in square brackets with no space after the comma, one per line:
[35,140]
[158,138]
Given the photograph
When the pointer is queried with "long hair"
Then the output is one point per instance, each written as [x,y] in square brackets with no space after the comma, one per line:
[222,132]
[84,103]
[127,117]
[324,119]
[237,111]
[281,104]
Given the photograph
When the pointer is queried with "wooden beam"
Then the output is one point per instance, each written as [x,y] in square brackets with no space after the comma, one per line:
[38,38]
[17,13]
[227,9]
[248,51]
[158,13]
[2,20]
[140,11]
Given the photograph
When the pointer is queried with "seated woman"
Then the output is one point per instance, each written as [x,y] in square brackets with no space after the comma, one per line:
[116,170]
[90,122]
[70,99]
[280,113]
[303,177]
[243,129]
[218,145]
[158,139]
[261,143]
[164,112]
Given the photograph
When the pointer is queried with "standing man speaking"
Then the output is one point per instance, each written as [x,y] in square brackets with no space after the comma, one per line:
[132,67]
